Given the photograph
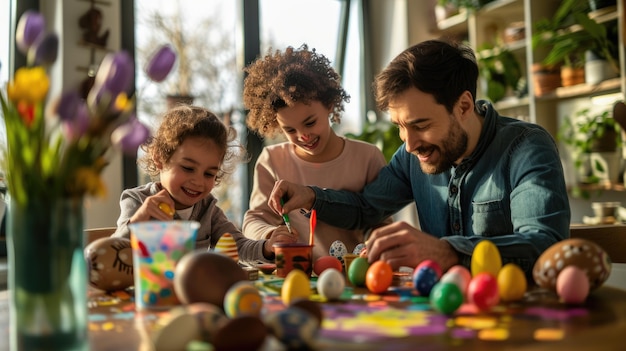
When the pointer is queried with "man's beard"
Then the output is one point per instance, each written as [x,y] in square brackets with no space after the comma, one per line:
[451,150]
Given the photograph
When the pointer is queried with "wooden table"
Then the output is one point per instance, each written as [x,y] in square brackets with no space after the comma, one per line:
[392,322]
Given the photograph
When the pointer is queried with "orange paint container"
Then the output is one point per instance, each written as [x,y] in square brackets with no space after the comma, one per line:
[293,256]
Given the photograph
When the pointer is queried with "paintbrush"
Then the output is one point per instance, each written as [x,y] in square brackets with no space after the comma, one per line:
[286,217]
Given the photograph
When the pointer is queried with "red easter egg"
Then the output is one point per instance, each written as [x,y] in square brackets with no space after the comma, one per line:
[325,262]
[483,291]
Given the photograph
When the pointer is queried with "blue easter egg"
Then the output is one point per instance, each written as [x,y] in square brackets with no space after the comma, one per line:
[424,279]
[294,327]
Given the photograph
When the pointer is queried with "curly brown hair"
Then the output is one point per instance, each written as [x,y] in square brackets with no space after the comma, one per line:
[184,122]
[283,78]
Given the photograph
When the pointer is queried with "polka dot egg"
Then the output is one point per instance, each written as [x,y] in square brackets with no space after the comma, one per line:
[338,249]
[584,254]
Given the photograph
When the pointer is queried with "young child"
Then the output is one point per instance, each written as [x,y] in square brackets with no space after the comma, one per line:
[298,93]
[190,153]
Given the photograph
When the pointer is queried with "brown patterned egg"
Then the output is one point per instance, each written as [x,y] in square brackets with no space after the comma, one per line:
[110,263]
[584,254]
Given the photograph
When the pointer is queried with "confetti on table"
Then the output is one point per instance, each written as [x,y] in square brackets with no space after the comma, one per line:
[476,322]
[493,334]
[549,334]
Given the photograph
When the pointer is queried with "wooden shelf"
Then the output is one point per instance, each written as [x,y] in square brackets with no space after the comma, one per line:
[605,87]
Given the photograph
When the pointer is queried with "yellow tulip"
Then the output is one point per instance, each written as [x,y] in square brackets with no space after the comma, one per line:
[30,85]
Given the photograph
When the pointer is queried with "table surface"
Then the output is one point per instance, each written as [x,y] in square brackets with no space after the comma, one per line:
[362,321]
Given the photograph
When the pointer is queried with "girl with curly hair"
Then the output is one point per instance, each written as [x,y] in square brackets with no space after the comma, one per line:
[298,94]
[190,153]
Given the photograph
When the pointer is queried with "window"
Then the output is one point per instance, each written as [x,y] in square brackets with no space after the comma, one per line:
[283,24]
[5,38]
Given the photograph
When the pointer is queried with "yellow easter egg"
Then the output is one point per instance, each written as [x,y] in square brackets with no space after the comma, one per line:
[296,286]
[511,283]
[486,258]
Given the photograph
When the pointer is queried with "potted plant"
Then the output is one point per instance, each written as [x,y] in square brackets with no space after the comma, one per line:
[568,45]
[594,138]
[499,72]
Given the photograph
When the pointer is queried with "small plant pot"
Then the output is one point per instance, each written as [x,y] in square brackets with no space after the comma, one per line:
[572,76]
[605,209]
[545,79]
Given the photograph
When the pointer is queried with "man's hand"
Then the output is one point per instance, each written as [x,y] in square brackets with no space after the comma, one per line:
[400,244]
[296,196]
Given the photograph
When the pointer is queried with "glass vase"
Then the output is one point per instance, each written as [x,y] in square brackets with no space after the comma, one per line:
[47,275]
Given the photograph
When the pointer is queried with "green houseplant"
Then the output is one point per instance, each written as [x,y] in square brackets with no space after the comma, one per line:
[588,132]
[567,44]
[499,71]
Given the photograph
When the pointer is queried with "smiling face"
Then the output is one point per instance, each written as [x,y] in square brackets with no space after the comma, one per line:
[430,132]
[189,175]
[307,126]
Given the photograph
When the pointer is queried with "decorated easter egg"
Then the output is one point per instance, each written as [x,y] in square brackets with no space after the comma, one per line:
[243,333]
[358,270]
[325,262]
[313,307]
[458,275]
[226,245]
[486,258]
[338,249]
[331,284]
[424,279]
[483,291]
[358,249]
[175,330]
[110,263]
[210,319]
[295,286]
[581,253]
[378,277]
[432,264]
[243,298]
[511,282]
[205,276]
[572,285]
[446,297]
[294,327]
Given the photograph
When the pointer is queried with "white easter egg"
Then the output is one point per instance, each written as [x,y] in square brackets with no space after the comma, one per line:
[331,283]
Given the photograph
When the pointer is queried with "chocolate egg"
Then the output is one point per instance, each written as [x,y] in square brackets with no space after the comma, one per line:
[110,263]
[584,254]
[204,276]
[242,333]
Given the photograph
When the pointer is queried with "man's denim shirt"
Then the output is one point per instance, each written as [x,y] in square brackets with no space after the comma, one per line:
[510,190]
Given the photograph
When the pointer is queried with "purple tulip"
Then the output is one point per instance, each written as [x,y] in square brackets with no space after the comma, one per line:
[161,63]
[115,73]
[76,126]
[67,105]
[31,25]
[45,50]
[130,135]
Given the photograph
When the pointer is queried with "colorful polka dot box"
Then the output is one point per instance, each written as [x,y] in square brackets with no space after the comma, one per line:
[157,248]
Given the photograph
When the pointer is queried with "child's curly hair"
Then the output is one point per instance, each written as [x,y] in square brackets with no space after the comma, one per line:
[283,78]
[183,122]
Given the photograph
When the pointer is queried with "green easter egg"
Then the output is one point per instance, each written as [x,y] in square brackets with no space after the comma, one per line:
[358,271]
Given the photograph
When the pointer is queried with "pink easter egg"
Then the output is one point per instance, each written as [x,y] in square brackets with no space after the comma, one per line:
[572,285]
[458,275]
